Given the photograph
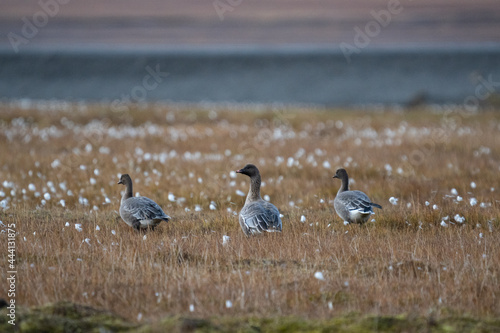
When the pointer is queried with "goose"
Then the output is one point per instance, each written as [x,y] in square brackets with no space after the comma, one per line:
[139,212]
[257,215]
[352,206]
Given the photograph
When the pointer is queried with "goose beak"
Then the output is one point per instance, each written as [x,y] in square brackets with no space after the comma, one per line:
[120,182]
[238,171]
[335,176]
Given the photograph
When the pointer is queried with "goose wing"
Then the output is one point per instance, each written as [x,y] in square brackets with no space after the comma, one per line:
[357,201]
[261,216]
[143,208]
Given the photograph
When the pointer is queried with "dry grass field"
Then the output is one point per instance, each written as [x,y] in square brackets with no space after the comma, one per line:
[433,253]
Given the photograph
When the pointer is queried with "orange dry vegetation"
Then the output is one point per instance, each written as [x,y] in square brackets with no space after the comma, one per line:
[413,258]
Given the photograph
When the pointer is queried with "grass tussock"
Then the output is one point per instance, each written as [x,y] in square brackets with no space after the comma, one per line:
[432,254]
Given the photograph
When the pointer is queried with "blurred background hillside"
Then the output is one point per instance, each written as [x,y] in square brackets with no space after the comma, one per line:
[334,53]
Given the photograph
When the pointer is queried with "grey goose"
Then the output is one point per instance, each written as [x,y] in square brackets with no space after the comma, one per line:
[352,206]
[139,212]
[257,215]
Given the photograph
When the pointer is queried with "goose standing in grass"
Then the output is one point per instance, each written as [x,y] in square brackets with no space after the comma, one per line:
[352,206]
[139,212]
[257,215]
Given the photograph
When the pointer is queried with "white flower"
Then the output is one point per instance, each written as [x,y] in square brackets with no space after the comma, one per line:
[302,219]
[319,276]
[393,201]
[473,201]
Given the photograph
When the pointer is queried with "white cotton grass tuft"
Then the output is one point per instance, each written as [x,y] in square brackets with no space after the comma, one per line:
[240,193]
[319,276]
[473,201]
[225,239]
[302,219]
[435,207]
[326,165]
[473,185]
[171,197]
[113,232]
[267,198]
[66,224]
[191,308]
[427,203]
[78,227]
[229,304]
[443,223]
[454,191]
[46,196]
[459,219]
[212,206]
[459,198]
[393,200]
[97,228]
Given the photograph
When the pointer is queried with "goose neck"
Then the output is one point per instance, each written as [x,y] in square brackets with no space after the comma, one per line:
[254,192]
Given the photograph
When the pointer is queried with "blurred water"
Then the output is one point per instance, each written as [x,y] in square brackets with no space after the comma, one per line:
[305,75]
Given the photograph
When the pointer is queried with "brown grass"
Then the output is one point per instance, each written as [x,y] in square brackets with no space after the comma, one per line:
[403,263]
